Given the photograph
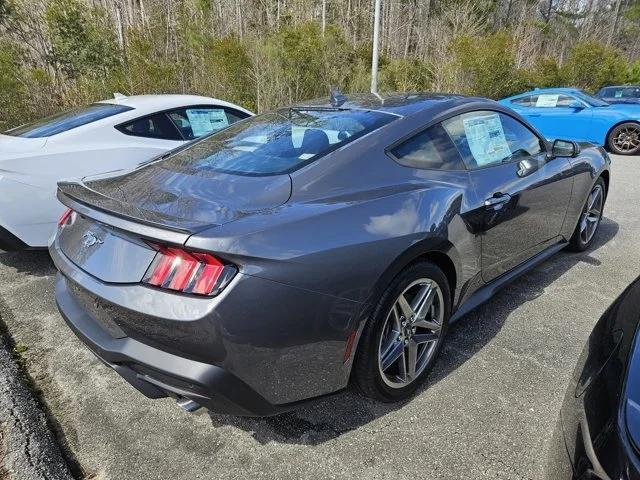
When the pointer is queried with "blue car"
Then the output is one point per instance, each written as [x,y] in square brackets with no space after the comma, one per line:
[570,113]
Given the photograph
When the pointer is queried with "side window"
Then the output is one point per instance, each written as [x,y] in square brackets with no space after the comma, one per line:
[552,100]
[153,126]
[194,122]
[486,138]
[431,149]
[566,101]
[522,141]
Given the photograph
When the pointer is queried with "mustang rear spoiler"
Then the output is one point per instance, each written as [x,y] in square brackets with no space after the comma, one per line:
[100,208]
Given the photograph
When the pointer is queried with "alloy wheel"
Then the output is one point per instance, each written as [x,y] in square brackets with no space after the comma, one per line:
[627,139]
[410,333]
[592,214]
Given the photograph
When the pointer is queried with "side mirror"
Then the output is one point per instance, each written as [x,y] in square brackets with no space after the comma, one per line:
[576,105]
[564,148]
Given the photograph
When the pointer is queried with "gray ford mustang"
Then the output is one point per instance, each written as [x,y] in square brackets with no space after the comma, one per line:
[331,241]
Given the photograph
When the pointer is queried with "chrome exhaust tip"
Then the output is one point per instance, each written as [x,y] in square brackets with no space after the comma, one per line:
[188,405]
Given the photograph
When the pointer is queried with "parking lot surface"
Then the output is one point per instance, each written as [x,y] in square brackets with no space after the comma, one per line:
[487,411]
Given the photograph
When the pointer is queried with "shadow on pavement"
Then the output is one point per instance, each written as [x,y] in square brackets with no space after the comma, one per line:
[327,418]
[32,262]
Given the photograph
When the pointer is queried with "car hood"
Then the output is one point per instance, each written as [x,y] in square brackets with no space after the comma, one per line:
[179,201]
[9,145]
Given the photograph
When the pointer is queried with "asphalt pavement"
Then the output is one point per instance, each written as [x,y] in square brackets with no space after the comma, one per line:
[487,411]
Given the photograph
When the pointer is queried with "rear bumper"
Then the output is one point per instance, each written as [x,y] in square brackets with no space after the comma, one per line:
[258,348]
[156,373]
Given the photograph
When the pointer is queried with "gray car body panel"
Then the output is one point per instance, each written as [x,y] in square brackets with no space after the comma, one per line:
[281,368]
[313,265]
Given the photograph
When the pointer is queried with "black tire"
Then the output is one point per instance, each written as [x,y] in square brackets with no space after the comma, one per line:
[624,139]
[578,243]
[366,367]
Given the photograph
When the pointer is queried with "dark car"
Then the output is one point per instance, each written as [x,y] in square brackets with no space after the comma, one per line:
[598,433]
[620,94]
[291,252]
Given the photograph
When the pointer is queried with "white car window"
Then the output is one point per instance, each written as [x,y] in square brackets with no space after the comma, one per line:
[194,122]
[152,126]
[63,122]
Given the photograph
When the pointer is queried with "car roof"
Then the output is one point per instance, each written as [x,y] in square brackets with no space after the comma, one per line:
[153,103]
[401,104]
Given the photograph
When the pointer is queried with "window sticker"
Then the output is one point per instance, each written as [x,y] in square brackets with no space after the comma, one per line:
[486,139]
[204,121]
[547,100]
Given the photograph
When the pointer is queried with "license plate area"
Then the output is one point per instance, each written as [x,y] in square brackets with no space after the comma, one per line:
[108,254]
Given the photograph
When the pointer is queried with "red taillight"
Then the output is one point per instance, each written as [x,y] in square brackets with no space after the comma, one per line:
[188,272]
[209,272]
[64,218]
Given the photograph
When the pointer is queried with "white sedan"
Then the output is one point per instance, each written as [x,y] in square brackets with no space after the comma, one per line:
[105,136]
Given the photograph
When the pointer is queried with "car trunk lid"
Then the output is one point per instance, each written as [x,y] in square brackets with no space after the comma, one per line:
[179,201]
[120,216]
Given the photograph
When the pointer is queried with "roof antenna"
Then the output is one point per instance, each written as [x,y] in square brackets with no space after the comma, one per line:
[337,98]
[119,96]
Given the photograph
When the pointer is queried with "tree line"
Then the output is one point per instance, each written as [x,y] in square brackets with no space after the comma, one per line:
[56,54]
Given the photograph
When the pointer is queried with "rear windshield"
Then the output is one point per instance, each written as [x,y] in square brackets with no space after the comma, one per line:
[66,121]
[276,143]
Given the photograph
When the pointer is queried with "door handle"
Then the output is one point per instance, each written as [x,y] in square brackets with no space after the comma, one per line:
[533,114]
[497,200]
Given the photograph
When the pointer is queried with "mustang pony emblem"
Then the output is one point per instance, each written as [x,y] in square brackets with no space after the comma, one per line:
[89,239]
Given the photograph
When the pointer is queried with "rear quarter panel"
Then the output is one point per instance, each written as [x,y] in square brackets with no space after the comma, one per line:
[340,249]
[351,218]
